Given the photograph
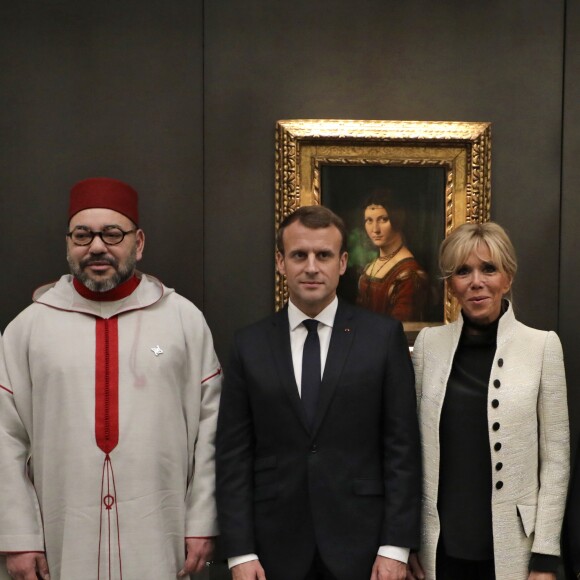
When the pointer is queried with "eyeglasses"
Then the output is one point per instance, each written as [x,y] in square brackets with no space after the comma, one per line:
[112,236]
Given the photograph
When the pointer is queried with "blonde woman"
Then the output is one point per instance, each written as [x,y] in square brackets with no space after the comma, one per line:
[494,420]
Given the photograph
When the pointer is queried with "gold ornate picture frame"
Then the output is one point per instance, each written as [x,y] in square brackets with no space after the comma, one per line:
[439,171]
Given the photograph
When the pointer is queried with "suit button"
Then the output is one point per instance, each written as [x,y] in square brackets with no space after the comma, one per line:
[498,466]
[495,426]
[314,448]
[500,362]
[499,485]
[497,446]
[496,384]
[495,403]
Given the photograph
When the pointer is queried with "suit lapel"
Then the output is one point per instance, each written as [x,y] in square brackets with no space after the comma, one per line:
[343,332]
[282,355]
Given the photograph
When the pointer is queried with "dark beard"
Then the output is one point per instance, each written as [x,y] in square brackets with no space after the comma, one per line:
[122,273]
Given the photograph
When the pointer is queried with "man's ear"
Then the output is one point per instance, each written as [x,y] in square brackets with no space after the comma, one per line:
[280,265]
[343,261]
[140,238]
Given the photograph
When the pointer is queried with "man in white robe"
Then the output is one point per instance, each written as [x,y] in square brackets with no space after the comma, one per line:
[109,391]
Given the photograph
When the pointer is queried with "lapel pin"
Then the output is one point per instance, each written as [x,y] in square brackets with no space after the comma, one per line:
[157,350]
[347,330]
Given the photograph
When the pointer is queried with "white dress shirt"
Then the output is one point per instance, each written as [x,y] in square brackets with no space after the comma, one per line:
[298,334]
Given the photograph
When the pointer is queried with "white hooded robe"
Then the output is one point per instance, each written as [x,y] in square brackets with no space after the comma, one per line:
[107,420]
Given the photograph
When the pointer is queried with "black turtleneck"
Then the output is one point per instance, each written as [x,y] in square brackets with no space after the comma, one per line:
[465,483]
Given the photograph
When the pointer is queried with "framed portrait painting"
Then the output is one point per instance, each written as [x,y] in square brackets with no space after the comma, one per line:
[401,187]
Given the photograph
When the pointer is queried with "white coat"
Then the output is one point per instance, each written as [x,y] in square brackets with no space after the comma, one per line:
[529,491]
[123,511]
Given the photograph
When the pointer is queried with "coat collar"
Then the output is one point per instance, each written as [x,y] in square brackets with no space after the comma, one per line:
[505,329]
[63,296]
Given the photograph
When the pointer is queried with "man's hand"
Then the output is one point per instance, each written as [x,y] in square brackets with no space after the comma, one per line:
[198,551]
[388,569]
[251,570]
[27,566]
[414,568]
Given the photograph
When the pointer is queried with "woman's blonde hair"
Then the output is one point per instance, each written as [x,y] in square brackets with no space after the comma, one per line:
[468,238]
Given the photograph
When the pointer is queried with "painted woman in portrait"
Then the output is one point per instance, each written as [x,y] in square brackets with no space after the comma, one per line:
[394,282]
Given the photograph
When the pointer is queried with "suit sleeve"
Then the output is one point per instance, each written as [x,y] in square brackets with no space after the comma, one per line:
[401,448]
[553,449]
[235,441]
[20,520]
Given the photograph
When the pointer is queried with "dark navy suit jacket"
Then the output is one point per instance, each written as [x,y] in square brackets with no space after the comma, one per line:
[346,486]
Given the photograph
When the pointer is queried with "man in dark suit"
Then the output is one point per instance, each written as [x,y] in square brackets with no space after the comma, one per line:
[318,478]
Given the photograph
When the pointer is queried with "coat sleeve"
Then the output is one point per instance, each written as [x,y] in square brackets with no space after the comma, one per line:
[20,520]
[553,449]
[201,512]
[235,443]
[402,450]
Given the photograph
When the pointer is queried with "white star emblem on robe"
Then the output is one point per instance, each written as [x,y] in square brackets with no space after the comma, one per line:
[157,350]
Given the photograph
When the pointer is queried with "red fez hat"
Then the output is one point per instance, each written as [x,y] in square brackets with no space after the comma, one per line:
[104,192]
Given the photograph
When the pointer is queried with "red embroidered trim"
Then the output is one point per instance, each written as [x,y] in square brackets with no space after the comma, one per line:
[107,384]
[6,389]
[107,427]
[121,291]
[218,372]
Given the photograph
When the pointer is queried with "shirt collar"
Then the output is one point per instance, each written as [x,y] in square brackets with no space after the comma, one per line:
[296,316]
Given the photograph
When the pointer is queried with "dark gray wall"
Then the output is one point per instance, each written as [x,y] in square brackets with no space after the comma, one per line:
[569,279]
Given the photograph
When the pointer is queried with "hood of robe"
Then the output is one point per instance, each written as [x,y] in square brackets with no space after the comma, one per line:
[63,296]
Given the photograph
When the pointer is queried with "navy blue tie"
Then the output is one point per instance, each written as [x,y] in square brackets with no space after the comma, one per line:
[311,370]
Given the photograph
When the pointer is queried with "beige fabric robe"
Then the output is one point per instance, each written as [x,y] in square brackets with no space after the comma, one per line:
[124,514]
[527,510]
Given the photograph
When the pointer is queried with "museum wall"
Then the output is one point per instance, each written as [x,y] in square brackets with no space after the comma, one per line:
[180,98]
[569,278]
